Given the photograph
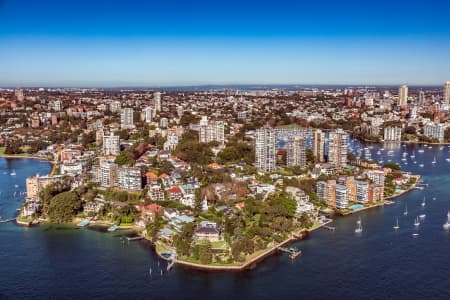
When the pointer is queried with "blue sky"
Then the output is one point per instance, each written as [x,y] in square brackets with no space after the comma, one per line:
[151,43]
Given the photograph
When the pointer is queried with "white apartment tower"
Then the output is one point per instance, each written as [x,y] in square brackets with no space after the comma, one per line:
[296,152]
[318,145]
[157,101]
[403,95]
[129,178]
[265,149]
[108,173]
[421,101]
[392,134]
[211,131]
[148,114]
[447,92]
[111,144]
[126,118]
[337,148]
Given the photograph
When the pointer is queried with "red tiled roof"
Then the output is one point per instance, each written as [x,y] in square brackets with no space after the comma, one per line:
[151,176]
[174,190]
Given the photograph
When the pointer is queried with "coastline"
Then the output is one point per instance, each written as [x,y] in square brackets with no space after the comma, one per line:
[26,156]
[295,236]
[413,186]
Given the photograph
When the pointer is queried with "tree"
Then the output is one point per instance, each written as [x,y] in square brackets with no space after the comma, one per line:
[392,166]
[205,252]
[63,207]
[124,158]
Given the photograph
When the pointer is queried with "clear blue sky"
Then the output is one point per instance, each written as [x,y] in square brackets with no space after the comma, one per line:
[167,42]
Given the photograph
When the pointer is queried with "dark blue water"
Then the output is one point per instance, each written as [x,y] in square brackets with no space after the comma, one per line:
[56,262]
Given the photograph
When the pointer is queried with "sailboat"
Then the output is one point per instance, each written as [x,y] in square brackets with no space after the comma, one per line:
[416,222]
[406,210]
[434,160]
[396,227]
[359,228]
[423,202]
[447,224]
[150,271]
[413,155]
[13,173]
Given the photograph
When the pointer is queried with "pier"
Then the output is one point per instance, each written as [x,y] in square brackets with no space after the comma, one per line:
[135,238]
[331,228]
[293,253]
[7,220]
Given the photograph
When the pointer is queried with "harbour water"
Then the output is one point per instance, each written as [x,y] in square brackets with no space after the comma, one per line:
[61,262]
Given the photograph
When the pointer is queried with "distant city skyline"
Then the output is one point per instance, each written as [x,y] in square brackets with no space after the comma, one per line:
[112,43]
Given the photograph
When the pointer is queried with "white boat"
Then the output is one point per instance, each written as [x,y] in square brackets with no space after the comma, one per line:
[447,224]
[406,211]
[396,227]
[421,165]
[416,222]
[423,202]
[413,155]
[447,159]
[434,160]
[13,173]
[415,234]
[422,216]
[421,151]
[359,228]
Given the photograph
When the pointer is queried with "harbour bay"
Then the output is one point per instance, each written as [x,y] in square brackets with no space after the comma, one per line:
[51,261]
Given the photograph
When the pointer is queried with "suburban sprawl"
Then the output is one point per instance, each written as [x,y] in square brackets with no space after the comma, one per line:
[215,178]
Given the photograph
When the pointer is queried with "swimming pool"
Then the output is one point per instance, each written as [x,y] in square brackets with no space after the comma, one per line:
[355,207]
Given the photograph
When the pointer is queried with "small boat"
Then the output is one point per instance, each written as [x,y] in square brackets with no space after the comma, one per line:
[434,198]
[447,159]
[421,151]
[416,222]
[415,234]
[83,223]
[406,211]
[396,227]
[359,228]
[447,224]
[16,186]
[13,173]
[150,271]
[434,160]
[113,228]
[421,165]
[423,202]
[422,216]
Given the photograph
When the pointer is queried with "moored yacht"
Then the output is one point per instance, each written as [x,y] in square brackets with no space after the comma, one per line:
[447,224]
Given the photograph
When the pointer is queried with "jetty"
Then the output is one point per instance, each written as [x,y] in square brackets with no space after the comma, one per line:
[293,253]
[7,220]
[135,238]
[172,260]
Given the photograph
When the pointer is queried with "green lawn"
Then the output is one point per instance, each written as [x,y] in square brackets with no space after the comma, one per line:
[2,150]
